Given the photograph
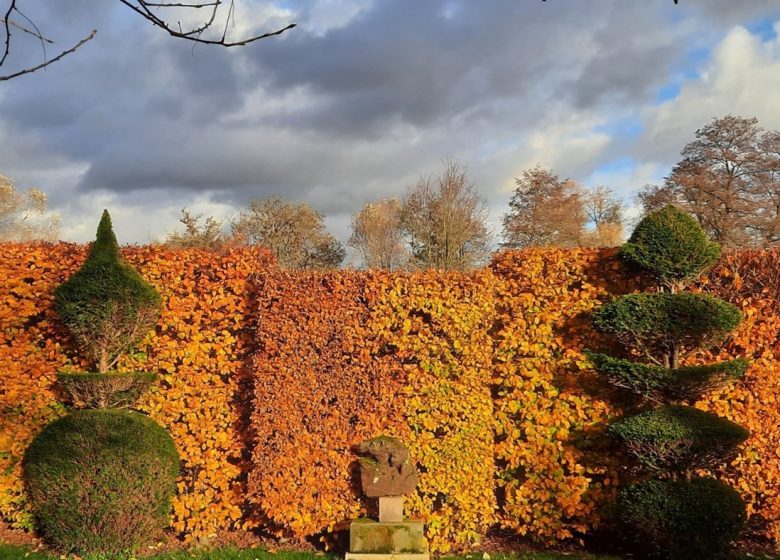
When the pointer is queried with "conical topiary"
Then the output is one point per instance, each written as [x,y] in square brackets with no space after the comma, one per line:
[106,305]
[673,514]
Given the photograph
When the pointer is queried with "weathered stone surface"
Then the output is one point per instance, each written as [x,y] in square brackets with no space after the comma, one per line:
[385,468]
[372,537]
[391,509]
[363,556]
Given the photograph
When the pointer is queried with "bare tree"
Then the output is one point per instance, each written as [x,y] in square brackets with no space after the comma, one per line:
[293,231]
[444,220]
[729,178]
[23,215]
[655,197]
[544,210]
[211,29]
[377,235]
[198,232]
[605,214]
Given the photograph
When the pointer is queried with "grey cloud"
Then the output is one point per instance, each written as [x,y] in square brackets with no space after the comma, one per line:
[384,98]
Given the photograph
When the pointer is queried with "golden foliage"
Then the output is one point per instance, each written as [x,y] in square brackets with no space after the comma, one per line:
[481,373]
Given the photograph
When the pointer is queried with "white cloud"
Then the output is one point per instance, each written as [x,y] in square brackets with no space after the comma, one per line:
[741,78]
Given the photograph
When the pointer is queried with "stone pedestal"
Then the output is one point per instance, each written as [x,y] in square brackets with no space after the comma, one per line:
[376,540]
[391,509]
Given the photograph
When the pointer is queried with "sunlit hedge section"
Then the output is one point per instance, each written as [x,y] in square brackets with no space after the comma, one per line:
[436,328]
[267,378]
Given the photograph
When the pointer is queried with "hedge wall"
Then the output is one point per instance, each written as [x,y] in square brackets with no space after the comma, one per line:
[269,377]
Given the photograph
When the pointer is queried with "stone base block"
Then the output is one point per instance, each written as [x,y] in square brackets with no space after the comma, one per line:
[362,556]
[370,537]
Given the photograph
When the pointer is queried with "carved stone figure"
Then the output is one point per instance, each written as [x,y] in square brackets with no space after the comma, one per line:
[385,468]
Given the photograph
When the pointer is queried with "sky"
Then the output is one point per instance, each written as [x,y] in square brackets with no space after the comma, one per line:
[365,96]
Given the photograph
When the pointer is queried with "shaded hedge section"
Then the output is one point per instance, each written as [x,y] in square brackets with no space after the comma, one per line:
[483,373]
[101,480]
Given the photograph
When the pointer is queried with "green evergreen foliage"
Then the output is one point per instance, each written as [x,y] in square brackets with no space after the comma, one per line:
[681,519]
[673,518]
[671,246]
[679,438]
[658,322]
[657,383]
[101,480]
[106,305]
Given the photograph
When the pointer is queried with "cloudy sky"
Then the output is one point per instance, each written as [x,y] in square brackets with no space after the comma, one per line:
[364,96]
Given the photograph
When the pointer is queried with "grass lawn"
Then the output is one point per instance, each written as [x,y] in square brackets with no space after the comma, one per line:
[8,552]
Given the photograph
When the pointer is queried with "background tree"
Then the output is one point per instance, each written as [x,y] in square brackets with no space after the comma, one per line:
[605,214]
[544,210]
[293,231]
[728,179]
[377,235]
[444,220]
[23,215]
[206,234]
[212,20]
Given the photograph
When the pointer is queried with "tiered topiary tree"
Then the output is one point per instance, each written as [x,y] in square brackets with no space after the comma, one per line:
[101,480]
[107,308]
[672,512]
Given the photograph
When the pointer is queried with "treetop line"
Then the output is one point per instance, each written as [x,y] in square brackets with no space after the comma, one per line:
[728,178]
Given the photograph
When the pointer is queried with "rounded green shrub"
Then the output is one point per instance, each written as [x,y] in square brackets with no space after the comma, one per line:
[101,480]
[671,246]
[658,322]
[106,305]
[681,519]
[657,383]
[678,437]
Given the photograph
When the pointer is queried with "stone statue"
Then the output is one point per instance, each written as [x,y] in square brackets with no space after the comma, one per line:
[385,468]
[387,473]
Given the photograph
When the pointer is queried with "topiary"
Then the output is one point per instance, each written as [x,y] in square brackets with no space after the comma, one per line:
[681,519]
[670,246]
[106,305]
[665,325]
[657,383]
[678,437]
[673,440]
[101,480]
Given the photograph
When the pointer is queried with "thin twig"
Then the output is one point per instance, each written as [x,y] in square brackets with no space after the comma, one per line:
[143,8]
[55,59]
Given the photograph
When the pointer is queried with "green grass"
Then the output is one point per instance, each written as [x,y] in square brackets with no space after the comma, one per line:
[8,552]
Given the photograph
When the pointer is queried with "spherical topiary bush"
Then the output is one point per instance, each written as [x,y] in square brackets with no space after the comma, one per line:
[681,519]
[671,246]
[101,480]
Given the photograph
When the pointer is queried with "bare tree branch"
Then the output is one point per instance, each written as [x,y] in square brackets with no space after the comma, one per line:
[148,11]
[55,59]
[195,34]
